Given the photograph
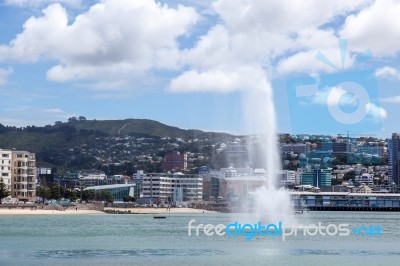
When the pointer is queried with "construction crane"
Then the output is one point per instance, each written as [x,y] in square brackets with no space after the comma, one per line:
[361,135]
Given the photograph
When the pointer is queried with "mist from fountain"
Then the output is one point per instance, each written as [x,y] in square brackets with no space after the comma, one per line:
[269,203]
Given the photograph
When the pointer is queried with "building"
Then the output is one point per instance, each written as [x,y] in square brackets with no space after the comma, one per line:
[236,154]
[174,161]
[118,191]
[316,177]
[288,176]
[337,148]
[92,178]
[137,179]
[371,149]
[294,148]
[239,187]
[172,188]
[344,199]
[5,168]
[394,159]
[23,183]
[365,178]
[43,171]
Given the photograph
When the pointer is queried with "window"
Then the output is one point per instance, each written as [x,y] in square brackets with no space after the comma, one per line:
[4,174]
[5,155]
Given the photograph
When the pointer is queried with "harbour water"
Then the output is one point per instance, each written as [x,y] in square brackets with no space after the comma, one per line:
[107,239]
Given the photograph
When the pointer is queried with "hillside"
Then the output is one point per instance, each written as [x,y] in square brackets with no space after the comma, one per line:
[142,126]
[89,144]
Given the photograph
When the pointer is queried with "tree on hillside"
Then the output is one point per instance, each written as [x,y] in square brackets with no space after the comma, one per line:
[82,118]
[72,119]
[4,192]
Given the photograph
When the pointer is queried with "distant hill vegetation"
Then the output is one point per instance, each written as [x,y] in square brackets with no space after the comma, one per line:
[142,126]
[78,143]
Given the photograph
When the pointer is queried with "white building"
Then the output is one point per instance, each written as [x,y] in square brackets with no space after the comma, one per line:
[43,171]
[23,183]
[366,179]
[5,167]
[177,187]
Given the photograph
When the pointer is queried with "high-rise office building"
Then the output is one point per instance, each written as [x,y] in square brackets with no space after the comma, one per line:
[393,156]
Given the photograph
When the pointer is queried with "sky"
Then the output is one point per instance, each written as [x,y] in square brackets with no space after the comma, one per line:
[332,66]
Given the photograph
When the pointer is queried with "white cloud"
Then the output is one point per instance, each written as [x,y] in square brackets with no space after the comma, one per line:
[112,40]
[375,112]
[126,40]
[31,115]
[220,80]
[39,3]
[264,33]
[395,99]
[387,72]
[376,27]
[4,74]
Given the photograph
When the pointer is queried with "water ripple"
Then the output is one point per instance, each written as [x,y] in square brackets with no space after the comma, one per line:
[91,253]
[343,252]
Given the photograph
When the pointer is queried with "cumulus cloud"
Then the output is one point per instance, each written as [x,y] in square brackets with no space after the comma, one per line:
[375,112]
[112,39]
[220,80]
[124,40]
[375,27]
[4,74]
[395,99]
[387,72]
[264,33]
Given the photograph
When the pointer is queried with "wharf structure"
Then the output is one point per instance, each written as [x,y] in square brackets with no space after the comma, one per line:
[345,201]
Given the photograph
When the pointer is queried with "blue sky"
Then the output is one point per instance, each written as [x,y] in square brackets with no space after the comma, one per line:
[191,63]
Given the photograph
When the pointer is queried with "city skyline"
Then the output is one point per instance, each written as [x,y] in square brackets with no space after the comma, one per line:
[74,57]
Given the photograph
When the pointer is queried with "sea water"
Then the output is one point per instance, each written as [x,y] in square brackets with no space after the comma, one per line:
[107,239]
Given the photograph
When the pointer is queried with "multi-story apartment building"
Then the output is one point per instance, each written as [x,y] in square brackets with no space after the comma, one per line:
[166,188]
[5,167]
[17,168]
[23,168]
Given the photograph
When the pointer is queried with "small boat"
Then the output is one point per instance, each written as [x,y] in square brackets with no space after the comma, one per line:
[159,217]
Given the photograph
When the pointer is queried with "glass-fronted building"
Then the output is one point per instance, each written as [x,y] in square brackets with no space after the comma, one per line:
[316,177]
[118,191]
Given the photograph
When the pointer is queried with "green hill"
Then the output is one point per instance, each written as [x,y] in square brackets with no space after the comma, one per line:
[89,143]
[142,126]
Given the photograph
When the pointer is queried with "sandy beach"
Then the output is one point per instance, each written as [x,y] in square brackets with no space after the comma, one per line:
[27,211]
[72,211]
[161,210]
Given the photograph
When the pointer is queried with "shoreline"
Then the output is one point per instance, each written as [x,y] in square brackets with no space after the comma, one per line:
[107,210]
[6,211]
[110,210]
